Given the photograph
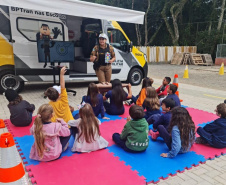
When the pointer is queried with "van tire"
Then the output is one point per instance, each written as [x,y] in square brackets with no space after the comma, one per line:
[8,79]
[135,76]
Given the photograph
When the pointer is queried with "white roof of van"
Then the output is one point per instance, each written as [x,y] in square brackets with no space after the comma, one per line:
[79,8]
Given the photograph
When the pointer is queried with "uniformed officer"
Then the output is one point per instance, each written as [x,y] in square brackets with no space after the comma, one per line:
[103,55]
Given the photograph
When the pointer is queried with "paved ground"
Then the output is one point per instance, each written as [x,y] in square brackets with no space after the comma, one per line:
[203,90]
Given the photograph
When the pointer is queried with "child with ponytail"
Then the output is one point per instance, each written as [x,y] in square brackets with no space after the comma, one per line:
[51,138]
[88,138]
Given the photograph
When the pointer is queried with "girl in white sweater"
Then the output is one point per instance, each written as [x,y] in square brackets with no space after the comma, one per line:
[88,138]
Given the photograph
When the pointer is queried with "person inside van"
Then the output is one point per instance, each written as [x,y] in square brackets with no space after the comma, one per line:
[103,56]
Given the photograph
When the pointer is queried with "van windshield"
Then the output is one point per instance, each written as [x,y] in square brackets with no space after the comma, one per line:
[117,39]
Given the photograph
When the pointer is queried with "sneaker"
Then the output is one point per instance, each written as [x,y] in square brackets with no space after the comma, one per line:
[128,103]
[200,140]
[154,135]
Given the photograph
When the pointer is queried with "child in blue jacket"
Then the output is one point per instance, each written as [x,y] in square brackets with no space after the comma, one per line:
[163,120]
[214,133]
[181,133]
[172,89]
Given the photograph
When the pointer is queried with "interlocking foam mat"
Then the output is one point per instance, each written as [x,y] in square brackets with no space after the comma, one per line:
[113,165]
[152,166]
[18,131]
[96,168]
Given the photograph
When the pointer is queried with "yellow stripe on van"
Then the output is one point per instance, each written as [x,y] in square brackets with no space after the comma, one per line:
[117,26]
[138,54]
[6,53]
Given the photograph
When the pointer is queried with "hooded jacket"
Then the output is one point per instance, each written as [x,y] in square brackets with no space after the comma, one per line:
[218,131]
[135,132]
[53,147]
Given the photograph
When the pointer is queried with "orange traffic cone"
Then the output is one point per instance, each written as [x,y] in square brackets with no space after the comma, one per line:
[11,167]
[2,124]
[175,82]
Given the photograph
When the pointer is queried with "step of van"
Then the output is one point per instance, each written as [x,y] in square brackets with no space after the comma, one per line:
[81,75]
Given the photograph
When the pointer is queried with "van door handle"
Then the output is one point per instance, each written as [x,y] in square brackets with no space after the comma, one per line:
[12,40]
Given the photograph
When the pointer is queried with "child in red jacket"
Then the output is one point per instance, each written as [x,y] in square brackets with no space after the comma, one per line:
[162,90]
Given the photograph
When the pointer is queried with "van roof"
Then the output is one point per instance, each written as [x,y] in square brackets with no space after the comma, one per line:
[79,8]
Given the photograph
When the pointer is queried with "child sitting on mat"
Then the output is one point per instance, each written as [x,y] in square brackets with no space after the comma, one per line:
[51,138]
[181,135]
[134,136]
[117,95]
[20,110]
[139,99]
[87,138]
[163,120]
[151,103]
[171,90]
[59,102]
[214,133]
[162,90]
[95,99]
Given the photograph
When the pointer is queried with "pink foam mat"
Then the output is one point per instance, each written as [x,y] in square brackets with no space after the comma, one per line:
[107,129]
[126,113]
[18,131]
[200,116]
[96,168]
[207,151]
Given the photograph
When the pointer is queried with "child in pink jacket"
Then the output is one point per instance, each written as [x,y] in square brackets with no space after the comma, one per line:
[51,138]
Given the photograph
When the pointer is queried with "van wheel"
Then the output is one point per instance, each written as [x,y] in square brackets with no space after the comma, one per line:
[9,80]
[135,76]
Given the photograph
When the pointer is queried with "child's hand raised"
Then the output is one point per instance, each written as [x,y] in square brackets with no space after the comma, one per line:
[128,118]
[164,155]
[63,70]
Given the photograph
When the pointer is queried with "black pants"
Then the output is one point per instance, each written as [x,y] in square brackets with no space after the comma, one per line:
[165,135]
[74,131]
[110,111]
[64,141]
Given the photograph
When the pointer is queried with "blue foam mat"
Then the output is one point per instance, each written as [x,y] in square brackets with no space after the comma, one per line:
[26,142]
[204,124]
[151,165]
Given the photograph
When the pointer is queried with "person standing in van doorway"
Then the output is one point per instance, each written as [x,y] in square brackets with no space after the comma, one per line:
[103,56]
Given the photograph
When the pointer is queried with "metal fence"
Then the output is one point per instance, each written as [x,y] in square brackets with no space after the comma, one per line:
[221,51]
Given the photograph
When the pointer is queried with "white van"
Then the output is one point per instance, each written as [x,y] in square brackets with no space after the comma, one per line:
[21,61]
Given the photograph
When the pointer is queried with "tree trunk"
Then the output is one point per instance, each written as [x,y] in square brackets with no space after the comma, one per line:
[174,33]
[221,16]
[137,29]
[146,23]
[154,35]
[132,4]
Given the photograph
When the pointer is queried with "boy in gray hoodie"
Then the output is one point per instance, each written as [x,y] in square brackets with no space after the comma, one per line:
[134,136]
